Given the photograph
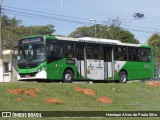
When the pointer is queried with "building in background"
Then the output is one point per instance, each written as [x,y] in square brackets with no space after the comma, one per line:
[9,66]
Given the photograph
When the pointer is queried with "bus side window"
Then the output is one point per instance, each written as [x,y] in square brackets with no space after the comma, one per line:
[97,52]
[133,54]
[145,54]
[89,52]
[69,50]
[94,52]
[120,53]
[80,52]
[51,50]
[54,51]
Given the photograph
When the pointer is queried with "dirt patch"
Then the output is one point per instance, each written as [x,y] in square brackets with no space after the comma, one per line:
[105,100]
[30,93]
[20,99]
[85,91]
[56,91]
[54,100]
[37,90]
[24,91]
[16,91]
[66,92]
[156,84]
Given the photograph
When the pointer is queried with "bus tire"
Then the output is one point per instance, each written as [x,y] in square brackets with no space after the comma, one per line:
[123,77]
[68,76]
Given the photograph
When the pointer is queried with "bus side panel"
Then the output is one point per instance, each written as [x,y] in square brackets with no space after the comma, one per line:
[135,70]
[138,70]
[95,69]
[146,70]
[119,65]
[56,69]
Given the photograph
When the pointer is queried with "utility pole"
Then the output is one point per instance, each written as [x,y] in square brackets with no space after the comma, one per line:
[1,47]
[94,26]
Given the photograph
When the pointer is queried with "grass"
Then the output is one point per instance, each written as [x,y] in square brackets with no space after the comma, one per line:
[126,97]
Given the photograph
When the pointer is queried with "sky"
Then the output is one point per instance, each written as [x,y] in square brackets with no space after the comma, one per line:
[67,15]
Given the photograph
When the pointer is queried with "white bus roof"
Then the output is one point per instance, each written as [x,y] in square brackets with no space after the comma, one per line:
[99,40]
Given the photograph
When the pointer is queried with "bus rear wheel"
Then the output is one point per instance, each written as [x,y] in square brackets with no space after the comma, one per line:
[68,76]
[123,77]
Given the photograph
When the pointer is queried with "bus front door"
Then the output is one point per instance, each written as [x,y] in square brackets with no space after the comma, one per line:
[108,63]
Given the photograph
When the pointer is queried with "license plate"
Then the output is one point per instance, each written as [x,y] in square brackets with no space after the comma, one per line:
[27,76]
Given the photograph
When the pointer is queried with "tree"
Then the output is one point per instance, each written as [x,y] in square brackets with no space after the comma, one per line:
[111,30]
[12,31]
[13,22]
[36,30]
[154,41]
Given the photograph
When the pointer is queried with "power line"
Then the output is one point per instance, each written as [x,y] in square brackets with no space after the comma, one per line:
[62,18]
[81,5]
[71,21]
[12,10]
[124,17]
[43,12]
[76,5]
[15,12]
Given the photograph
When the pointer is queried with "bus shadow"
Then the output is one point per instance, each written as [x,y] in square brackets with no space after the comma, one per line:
[40,81]
[60,81]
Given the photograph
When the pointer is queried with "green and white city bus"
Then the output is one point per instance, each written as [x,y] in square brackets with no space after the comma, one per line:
[68,59]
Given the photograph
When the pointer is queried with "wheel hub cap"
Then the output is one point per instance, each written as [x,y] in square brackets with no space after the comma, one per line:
[68,77]
[123,78]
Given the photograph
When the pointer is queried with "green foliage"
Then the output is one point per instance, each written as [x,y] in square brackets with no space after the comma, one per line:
[127,37]
[82,32]
[35,30]
[12,22]
[12,31]
[9,37]
[112,31]
[154,41]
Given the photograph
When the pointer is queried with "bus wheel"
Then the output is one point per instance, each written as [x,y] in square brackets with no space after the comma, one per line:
[123,77]
[68,76]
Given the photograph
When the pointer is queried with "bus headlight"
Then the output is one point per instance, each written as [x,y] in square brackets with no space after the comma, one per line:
[42,68]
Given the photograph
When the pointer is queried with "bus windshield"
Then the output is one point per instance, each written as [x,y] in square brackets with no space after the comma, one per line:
[32,54]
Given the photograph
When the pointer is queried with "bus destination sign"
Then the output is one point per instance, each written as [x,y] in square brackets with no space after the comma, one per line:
[30,40]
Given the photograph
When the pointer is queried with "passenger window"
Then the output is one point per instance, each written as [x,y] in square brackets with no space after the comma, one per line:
[94,52]
[80,51]
[121,53]
[54,51]
[69,50]
[133,54]
[145,54]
